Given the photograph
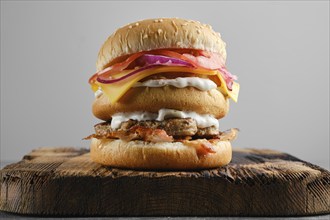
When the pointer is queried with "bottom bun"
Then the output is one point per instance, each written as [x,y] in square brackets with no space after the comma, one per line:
[164,155]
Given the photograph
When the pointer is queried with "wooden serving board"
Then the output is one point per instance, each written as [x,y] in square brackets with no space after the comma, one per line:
[65,182]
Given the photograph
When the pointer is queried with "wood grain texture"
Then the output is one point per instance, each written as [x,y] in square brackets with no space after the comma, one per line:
[65,182]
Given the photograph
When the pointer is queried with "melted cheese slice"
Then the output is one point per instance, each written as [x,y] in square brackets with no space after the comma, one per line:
[233,94]
[115,91]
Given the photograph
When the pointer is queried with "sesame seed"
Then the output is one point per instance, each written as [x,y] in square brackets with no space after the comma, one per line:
[136,24]
[175,27]
[160,20]
[145,36]
[160,31]
[130,26]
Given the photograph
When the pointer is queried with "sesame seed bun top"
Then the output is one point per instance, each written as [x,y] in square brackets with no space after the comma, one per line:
[161,33]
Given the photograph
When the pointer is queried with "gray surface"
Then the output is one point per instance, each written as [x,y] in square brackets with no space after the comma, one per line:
[279,50]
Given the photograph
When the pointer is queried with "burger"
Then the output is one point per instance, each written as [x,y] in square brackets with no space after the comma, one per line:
[161,87]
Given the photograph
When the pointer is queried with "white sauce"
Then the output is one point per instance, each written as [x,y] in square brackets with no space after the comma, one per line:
[98,93]
[180,82]
[202,121]
[118,118]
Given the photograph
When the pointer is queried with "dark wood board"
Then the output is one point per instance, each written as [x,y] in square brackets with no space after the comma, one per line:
[65,182]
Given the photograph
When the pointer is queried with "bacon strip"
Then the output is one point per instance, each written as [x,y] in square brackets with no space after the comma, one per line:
[151,134]
[202,146]
[229,135]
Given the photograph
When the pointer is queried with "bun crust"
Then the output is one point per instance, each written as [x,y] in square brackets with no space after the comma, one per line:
[160,33]
[164,156]
[152,99]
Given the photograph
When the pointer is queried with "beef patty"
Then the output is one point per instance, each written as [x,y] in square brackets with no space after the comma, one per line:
[177,127]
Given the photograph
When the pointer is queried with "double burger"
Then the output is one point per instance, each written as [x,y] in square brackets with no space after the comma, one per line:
[161,87]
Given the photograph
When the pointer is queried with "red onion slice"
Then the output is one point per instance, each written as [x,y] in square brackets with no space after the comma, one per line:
[150,59]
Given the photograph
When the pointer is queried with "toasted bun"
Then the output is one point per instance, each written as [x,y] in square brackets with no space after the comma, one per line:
[165,156]
[152,99]
[157,34]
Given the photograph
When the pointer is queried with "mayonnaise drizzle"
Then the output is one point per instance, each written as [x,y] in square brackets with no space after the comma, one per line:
[180,82]
[202,121]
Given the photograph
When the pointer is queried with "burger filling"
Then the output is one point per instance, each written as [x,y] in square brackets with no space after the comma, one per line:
[202,120]
[125,72]
[176,127]
[165,67]
[203,84]
[169,130]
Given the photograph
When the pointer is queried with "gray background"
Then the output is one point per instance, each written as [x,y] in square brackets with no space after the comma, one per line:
[279,50]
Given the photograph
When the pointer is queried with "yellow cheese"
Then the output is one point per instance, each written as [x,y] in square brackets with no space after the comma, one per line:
[115,91]
[233,94]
